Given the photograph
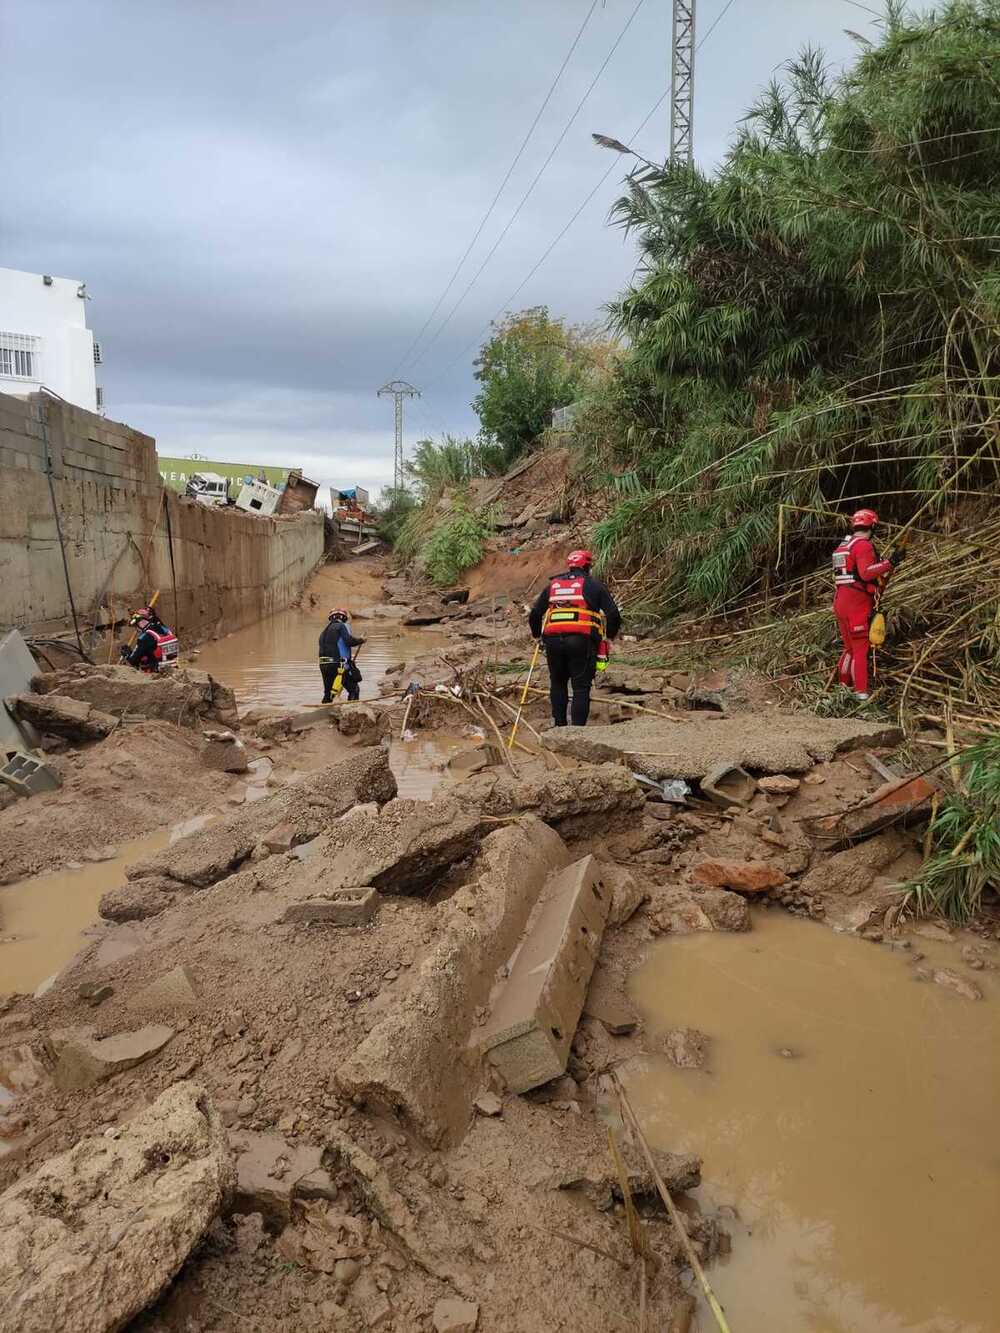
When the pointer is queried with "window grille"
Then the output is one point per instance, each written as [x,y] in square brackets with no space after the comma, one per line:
[19,356]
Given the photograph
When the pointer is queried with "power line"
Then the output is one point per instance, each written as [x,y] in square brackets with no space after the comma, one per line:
[712,26]
[555,241]
[500,189]
[527,194]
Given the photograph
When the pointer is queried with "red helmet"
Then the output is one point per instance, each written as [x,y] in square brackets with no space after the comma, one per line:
[579,560]
[864,518]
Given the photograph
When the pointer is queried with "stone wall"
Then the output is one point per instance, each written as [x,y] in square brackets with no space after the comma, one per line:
[125,536]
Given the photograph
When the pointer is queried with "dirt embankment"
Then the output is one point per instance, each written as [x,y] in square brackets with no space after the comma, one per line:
[324,962]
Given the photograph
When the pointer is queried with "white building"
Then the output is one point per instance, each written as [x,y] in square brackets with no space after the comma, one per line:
[44,339]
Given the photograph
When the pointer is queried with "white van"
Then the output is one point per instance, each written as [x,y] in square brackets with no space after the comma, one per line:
[208,488]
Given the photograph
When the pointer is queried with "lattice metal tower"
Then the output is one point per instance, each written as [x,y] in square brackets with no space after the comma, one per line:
[682,83]
[398,389]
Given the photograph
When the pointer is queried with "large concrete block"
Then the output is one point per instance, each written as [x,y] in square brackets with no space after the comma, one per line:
[17,666]
[530,1032]
[341,907]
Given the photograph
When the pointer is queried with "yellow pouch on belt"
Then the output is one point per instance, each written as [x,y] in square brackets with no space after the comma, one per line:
[876,630]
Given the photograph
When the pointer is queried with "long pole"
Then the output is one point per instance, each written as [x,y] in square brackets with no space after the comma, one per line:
[398,390]
[682,83]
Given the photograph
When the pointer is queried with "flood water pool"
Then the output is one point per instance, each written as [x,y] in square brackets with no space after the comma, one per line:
[848,1125]
[274,664]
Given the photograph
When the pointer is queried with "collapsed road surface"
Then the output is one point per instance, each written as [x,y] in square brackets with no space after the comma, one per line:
[398,1017]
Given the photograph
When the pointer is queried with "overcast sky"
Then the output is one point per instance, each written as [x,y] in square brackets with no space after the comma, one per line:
[267,199]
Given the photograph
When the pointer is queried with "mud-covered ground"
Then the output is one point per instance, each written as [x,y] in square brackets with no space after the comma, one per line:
[270,1011]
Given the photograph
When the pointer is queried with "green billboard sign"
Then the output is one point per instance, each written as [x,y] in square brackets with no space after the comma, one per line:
[175,473]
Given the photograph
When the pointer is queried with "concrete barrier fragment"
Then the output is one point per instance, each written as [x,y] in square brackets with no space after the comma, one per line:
[529,1035]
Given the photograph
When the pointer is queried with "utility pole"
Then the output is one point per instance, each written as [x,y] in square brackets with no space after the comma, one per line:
[398,389]
[682,84]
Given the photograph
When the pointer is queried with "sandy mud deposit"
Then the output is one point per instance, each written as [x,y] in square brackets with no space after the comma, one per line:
[341,1051]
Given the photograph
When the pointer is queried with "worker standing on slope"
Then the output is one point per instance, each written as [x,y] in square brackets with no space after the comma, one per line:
[335,645]
[859,577]
[572,615]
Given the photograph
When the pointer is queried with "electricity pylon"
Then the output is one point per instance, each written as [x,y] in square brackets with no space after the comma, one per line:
[398,390]
[682,84]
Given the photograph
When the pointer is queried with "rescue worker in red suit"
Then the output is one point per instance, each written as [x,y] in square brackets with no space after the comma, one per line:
[571,616]
[156,647]
[858,576]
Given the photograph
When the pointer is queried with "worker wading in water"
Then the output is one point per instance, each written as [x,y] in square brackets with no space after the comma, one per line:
[156,647]
[335,660]
[859,576]
[572,616]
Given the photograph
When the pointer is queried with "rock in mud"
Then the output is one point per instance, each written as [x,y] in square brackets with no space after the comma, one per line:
[135,901]
[853,870]
[224,752]
[60,715]
[778,784]
[175,990]
[79,1059]
[687,1048]
[627,895]
[599,1183]
[743,876]
[452,1316]
[271,1174]
[954,981]
[181,696]
[93,1236]
[678,911]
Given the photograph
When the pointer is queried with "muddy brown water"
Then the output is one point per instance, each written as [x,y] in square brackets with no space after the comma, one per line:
[42,920]
[848,1125]
[274,664]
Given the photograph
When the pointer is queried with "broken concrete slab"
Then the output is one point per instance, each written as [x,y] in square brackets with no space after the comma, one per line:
[530,1031]
[431,1026]
[60,715]
[743,876]
[184,697]
[17,668]
[340,907]
[575,803]
[79,1059]
[272,1173]
[762,742]
[93,1235]
[175,990]
[224,752]
[212,853]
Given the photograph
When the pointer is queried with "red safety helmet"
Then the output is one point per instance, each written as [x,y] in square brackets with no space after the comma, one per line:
[143,616]
[864,518]
[579,560]
[339,614]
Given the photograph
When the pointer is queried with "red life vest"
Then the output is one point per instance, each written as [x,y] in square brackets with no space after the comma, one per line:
[568,611]
[167,646]
[845,566]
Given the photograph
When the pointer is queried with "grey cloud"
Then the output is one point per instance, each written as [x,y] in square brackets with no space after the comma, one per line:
[266,199]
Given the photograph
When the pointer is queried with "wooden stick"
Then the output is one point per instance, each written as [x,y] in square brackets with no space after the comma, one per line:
[406,716]
[639,708]
[504,749]
[524,693]
[629,1115]
[596,1249]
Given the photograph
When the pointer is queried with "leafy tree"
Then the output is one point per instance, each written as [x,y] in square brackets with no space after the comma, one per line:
[456,544]
[816,325]
[532,364]
[453,462]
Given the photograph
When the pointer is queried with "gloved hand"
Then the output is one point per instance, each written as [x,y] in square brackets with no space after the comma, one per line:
[359,643]
[898,557]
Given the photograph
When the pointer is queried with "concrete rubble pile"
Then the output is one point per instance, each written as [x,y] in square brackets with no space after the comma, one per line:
[182,696]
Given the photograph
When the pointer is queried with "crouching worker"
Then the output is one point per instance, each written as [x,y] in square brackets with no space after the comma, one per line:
[156,648]
[572,615]
[336,665]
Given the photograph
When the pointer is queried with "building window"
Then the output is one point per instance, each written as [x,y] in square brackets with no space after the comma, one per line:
[19,356]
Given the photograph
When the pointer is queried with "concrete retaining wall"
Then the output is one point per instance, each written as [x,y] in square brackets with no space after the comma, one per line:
[121,527]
